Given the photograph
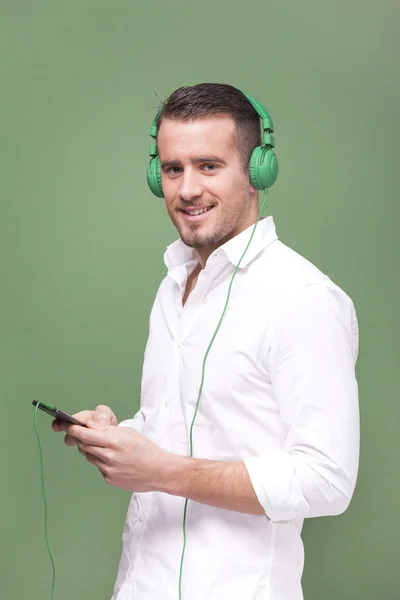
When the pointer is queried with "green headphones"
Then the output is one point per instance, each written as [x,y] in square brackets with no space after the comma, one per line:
[263,165]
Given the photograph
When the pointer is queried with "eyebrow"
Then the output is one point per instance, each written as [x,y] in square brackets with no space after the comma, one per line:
[194,161]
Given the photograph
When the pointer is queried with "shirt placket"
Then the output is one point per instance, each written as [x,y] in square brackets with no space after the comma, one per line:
[189,316]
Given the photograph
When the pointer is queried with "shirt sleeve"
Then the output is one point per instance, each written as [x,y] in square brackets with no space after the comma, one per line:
[136,423]
[312,366]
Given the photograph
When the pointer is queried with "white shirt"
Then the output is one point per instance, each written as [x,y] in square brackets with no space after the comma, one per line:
[280,394]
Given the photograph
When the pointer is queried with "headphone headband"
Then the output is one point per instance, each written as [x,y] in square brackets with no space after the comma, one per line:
[266,121]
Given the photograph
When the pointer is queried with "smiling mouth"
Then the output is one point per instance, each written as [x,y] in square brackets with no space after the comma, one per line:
[194,212]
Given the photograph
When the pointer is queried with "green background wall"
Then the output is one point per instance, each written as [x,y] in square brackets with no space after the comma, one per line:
[82,240]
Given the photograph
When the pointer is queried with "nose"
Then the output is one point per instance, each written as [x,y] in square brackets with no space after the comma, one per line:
[190,187]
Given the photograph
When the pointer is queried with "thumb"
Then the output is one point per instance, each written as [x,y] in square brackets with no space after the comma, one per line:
[102,418]
[103,415]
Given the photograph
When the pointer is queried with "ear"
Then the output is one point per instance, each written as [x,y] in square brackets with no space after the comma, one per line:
[252,189]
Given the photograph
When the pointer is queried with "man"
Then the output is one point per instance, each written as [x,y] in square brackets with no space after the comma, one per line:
[237,441]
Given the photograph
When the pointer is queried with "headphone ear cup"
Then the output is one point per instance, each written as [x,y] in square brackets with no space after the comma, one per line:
[263,167]
[154,179]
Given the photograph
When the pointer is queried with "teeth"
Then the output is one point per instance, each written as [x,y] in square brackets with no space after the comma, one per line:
[197,212]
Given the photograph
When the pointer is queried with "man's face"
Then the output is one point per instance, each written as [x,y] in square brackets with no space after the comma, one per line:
[208,195]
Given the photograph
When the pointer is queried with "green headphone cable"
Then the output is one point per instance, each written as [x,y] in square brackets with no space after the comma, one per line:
[45,504]
[202,382]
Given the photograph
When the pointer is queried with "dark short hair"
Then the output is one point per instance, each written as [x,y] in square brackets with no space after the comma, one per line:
[206,99]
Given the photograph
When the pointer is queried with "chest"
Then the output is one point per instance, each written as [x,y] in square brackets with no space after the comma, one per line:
[191,349]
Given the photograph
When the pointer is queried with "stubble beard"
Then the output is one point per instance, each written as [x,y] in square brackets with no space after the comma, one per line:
[221,232]
[195,239]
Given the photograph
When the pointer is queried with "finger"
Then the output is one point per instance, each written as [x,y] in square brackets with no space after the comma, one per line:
[96,462]
[100,426]
[56,425]
[83,416]
[86,436]
[104,415]
[70,441]
[96,451]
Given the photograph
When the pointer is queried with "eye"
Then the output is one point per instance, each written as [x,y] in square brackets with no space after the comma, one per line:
[209,167]
[174,171]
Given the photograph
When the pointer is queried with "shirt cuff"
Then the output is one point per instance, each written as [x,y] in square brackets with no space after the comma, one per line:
[274,481]
[135,423]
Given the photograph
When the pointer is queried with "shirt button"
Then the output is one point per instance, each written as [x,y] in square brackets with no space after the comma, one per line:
[166,403]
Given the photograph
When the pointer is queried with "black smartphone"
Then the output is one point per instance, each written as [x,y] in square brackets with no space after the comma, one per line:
[57,413]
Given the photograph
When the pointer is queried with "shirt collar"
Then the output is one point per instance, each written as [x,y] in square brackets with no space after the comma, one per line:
[179,253]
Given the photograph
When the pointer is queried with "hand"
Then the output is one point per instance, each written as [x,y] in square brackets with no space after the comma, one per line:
[125,458]
[100,418]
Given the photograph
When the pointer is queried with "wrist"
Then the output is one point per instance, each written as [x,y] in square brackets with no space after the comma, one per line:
[173,470]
